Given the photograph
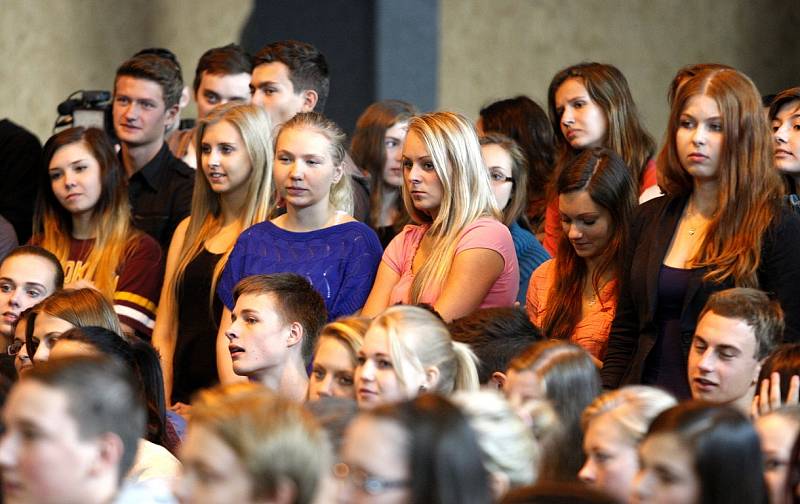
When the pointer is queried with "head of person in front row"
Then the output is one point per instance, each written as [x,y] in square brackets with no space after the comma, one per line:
[697,452]
[222,75]
[407,350]
[289,77]
[496,335]
[596,199]
[784,114]
[737,329]
[64,310]
[248,444]
[778,431]
[336,358]
[28,275]
[614,425]
[275,324]
[421,450]
[71,432]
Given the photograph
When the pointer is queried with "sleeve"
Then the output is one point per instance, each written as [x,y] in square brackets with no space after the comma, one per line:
[780,271]
[359,274]
[233,271]
[624,333]
[394,255]
[530,255]
[489,234]
[538,285]
[139,286]
[552,227]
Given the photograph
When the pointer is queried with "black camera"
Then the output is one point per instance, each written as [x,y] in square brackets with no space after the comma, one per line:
[90,109]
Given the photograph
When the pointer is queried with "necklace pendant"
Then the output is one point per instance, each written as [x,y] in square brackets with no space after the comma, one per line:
[691,231]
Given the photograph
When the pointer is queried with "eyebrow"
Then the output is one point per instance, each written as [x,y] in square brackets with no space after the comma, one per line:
[249,311]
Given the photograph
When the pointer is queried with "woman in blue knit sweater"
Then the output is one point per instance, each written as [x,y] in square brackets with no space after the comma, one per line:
[508,172]
[316,238]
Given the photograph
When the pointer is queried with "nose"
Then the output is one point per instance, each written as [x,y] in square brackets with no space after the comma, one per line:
[230,333]
[7,451]
[641,487]
[573,233]
[213,158]
[780,134]
[587,472]
[325,386]
[366,371]
[42,353]
[257,98]
[567,117]
[707,361]
[15,299]
[296,170]
[699,136]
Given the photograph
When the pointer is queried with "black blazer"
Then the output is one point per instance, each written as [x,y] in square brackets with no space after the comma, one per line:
[633,332]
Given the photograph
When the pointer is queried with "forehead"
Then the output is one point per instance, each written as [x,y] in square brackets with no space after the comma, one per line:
[303,141]
[46,323]
[142,89]
[28,268]
[374,442]
[569,89]
[261,303]
[222,131]
[665,449]
[397,129]
[276,72]
[495,155]
[376,340]
[72,152]
[577,203]
[37,403]
[701,105]
[414,145]
[788,109]
[718,330]
[220,81]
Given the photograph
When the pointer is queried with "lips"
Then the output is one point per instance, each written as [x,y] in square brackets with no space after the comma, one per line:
[73,196]
[367,394]
[703,384]
[295,191]
[10,317]
[235,351]
[572,133]
[697,157]
[216,176]
[782,153]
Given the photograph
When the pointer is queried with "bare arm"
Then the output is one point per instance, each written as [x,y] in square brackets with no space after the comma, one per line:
[472,274]
[378,299]
[224,362]
[164,332]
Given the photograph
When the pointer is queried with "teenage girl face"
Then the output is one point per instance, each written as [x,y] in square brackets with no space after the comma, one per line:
[224,159]
[611,458]
[776,433]
[304,171]
[420,177]
[498,162]
[667,472]
[699,138]
[374,464]
[586,224]
[393,142]
[583,122]
[332,371]
[75,178]
[22,363]
[786,132]
[376,376]
[46,331]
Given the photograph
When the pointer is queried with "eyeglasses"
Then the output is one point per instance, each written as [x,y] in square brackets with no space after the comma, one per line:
[369,484]
[15,347]
[499,178]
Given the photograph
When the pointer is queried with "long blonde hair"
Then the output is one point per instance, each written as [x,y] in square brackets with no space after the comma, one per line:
[254,127]
[453,146]
[749,186]
[114,236]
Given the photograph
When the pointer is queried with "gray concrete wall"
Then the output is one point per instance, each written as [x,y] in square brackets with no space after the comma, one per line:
[499,48]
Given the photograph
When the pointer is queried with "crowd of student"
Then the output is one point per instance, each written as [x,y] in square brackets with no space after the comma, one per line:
[302,320]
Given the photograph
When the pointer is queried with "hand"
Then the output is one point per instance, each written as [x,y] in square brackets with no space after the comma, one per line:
[183,409]
[769,396]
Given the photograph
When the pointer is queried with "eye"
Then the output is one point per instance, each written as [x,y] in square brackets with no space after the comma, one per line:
[251,320]
[6,287]
[578,104]
[773,464]
[715,126]
[148,105]
[33,293]
[212,98]
[407,164]
[601,457]
[384,364]
[345,380]
[391,144]
[360,360]
[50,341]
[686,123]
[284,159]
[725,355]
[589,222]
[226,149]
[79,168]
[699,346]
[55,175]
[122,100]
[428,166]
[497,176]
[205,148]
[319,373]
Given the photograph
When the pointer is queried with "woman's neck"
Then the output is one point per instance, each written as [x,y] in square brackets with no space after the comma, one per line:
[83,226]
[389,205]
[232,206]
[311,218]
[704,197]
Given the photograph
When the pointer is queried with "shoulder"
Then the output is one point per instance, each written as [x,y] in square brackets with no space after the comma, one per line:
[784,226]
[180,169]
[545,269]
[143,245]
[486,228]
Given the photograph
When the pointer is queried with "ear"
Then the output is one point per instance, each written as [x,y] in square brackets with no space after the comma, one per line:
[338,173]
[186,97]
[310,99]
[109,453]
[432,375]
[757,371]
[171,114]
[295,335]
[497,381]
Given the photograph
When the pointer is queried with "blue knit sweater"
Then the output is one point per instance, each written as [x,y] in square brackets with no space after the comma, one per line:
[530,254]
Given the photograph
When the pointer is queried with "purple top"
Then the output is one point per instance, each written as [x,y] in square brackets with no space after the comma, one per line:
[340,261]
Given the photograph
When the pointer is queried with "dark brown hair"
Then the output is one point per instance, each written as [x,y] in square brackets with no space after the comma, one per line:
[308,68]
[226,60]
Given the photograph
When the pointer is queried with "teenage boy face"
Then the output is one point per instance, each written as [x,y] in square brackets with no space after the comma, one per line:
[217,89]
[140,115]
[42,455]
[271,88]
[259,339]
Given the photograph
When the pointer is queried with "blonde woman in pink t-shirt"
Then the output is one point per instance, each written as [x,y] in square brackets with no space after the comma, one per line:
[458,256]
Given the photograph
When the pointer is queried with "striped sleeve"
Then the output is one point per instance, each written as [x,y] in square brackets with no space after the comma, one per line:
[139,286]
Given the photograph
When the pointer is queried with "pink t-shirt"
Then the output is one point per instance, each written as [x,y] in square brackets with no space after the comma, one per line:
[485,232]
